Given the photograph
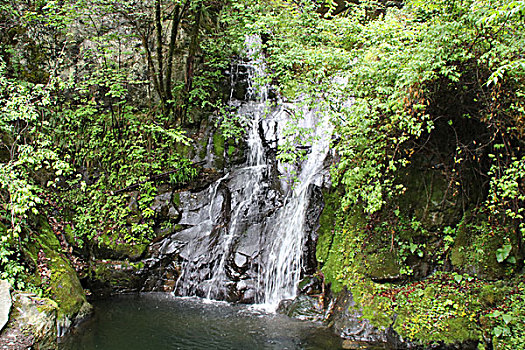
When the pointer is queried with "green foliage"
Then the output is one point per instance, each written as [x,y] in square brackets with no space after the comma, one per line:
[28,165]
[80,139]
[231,124]
[507,320]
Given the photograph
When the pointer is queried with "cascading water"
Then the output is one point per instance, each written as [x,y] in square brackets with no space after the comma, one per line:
[220,249]
[284,265]
[247,231]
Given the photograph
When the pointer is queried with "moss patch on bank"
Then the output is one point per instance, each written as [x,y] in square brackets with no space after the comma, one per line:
[54,273]
[374,258]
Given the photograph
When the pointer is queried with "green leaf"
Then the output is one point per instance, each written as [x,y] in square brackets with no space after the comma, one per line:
[507,318]
[503,253]
[448,302]
[495,314]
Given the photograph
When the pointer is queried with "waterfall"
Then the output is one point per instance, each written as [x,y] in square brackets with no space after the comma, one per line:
[283,270]
[247,231]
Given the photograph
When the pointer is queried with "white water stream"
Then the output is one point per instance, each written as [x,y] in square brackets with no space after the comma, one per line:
[278,261]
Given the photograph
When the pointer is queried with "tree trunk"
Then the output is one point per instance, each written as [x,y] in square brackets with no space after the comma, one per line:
[190,62]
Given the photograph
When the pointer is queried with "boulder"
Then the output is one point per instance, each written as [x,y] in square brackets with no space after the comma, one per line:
[39,316]
[302,307]
[32,325]
[348,321]
[5,302]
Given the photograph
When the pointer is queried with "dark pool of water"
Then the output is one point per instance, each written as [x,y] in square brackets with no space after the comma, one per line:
[161,321]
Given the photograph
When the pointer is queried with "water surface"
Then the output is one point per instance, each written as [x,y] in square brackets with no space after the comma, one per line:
[161,321]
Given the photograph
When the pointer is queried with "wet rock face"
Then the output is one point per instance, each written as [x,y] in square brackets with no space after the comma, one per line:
[227,237]
[313,214]
[204,220]
[223,232]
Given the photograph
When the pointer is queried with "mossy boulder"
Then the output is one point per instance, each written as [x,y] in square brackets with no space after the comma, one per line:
[348,320]
[475,250]
[56,275]
[32,324]
[302,307]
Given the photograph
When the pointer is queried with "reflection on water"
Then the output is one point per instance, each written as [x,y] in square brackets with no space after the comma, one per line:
[160,321]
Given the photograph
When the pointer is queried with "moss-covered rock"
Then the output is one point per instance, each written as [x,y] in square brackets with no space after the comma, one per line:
[348,320]
[338,238]
[303,307]
[114,247]
[32,325]
[109,277]
[327,222]
[56,275]
[475,248]
[365,255]
[382,265]
[435,317]
[219,150]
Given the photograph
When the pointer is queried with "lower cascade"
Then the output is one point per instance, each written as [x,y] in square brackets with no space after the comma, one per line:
[249,236]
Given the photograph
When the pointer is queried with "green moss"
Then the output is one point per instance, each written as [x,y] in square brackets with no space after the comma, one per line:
[351,255]
[68,234]
[381,264]
[114,246]
[184,150]
[130,250]
[332,268]
[45,305]
[203,142]
[428,196]
[493,294]
[436,310]
[62,282]
[46,236]
[218,149]
[218,144]
[326,229]
[439,312]
[231,150]
[176,199]
[339,235]
[375,307]
[475,247]
[117,274]
[65,288]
